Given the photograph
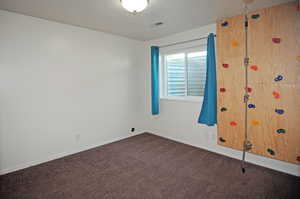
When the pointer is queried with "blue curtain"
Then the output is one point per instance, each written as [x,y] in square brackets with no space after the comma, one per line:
[155,79]
[208,113]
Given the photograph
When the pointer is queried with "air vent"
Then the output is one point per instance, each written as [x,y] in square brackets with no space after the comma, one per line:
[159,23]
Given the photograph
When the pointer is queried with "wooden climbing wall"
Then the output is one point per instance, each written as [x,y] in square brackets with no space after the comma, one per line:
[274,82]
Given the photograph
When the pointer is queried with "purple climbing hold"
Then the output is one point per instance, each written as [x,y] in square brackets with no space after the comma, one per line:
[278,78]
[279,111]
[225,23]
[251,106]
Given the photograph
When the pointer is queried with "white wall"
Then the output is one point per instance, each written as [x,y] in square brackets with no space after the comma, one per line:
[178,119]
[63,89]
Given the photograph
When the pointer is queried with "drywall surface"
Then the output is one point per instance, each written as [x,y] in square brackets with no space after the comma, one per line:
[63,89]
[178,119]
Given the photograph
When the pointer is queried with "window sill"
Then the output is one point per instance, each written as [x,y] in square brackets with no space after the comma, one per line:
[184,99]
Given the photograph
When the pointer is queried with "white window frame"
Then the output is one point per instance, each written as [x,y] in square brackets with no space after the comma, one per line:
[163,72]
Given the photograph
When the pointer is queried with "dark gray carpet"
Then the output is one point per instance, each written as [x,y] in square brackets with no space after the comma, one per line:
[147,167]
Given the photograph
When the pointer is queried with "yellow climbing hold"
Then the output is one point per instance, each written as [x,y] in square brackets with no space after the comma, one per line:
[234,43]
[255,123]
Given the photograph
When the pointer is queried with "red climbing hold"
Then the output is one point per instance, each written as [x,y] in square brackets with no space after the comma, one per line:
[233,123]
[276,95]
[249,90]
[222,90]
[298,158]
[276,40]
[225,65]
[254,67]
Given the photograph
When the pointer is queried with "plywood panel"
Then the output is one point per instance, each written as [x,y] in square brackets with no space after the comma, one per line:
[272,59]
[232,79]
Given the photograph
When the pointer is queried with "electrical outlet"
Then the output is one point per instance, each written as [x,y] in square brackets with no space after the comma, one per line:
[132,129]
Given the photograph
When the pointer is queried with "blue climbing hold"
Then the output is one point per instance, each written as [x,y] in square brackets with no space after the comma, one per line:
[281,131]
[251,106]
[225,23]
[279,111]
[278,78]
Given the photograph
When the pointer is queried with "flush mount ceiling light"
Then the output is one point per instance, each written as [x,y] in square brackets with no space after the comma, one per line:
[134,6]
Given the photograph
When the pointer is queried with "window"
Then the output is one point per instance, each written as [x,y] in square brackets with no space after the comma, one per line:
[184,73]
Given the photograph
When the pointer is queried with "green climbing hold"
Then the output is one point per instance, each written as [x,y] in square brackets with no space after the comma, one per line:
[281,131]
[223,109]
[255,16]
[270,151]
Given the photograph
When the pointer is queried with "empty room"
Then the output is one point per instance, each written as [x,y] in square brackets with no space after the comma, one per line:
[149,99]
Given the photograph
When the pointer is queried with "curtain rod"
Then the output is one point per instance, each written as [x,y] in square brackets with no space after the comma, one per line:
[182,42]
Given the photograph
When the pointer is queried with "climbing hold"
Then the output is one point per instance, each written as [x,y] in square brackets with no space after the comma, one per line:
[222,90]
[281,131]
[271,151]
[225,23]
[251,106]
[222,139]
[234,43]
[225,65]
[255,16]
[279,111]
[278,78]
[298,58]
[255,122]
[233,123]
[298,158]
[276,40]
[254,67]
[276,95]
[249,90]
[223,109]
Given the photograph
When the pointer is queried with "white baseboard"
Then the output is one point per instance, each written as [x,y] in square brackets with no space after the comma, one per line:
[60,155]
[254,159]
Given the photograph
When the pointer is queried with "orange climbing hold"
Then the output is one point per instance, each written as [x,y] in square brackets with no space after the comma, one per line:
[254,67]
[235,43]
[233,123]
[298,58]
[255,122]
[276,94]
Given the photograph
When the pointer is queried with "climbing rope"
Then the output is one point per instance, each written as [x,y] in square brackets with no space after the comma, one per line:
[246,144]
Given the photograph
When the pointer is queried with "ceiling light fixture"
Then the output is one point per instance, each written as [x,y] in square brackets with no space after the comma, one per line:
[134,6]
